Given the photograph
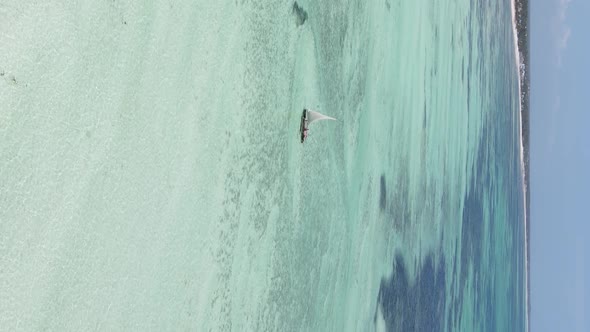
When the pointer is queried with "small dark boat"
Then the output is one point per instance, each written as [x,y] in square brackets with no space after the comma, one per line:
[307,118]
[303,125]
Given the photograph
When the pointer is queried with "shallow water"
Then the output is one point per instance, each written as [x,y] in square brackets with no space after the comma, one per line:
[152,175]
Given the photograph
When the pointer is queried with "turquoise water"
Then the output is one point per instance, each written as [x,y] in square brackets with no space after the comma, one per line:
[152,176]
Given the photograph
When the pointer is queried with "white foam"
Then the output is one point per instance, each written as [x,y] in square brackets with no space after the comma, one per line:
[521,69]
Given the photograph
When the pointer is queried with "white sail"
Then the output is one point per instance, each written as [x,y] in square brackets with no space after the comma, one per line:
[315,116]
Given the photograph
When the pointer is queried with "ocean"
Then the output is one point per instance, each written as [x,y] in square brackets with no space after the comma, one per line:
[152,175]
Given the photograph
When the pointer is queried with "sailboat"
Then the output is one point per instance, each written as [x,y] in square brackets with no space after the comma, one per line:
[307,118]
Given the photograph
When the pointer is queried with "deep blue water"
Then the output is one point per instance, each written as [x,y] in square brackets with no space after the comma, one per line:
[476,283]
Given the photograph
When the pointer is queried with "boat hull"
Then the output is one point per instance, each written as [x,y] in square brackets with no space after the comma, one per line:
[302,125]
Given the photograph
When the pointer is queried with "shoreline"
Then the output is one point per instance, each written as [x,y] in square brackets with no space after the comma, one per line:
[521,68]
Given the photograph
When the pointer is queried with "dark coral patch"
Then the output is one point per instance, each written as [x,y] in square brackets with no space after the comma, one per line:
[417,305]
[300,13]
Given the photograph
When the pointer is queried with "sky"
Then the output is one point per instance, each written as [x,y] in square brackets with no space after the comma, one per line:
[560,164]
